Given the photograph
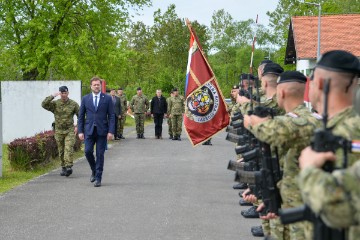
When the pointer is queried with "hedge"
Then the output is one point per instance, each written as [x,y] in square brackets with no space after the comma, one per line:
[39,150]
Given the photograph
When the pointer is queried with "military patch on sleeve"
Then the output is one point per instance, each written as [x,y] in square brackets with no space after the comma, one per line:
[355,146]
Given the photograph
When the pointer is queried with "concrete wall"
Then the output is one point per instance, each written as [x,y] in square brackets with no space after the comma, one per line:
[22,114]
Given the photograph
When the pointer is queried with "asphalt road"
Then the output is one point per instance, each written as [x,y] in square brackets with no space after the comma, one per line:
[151,189]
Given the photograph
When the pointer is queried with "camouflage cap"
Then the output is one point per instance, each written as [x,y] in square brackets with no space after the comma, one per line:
[339,61]
[291,76]
[63,89]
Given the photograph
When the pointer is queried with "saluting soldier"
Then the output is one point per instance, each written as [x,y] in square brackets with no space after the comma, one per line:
[139,105]
[176,109]
[64,110]
[342,70]
[123,102]
[169,119]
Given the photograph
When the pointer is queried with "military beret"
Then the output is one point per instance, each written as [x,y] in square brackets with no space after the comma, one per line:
[235,87]
[272,68]
[245,76]
[291,76]
[266,61]
[339,61]
[138,89]
[63,89]
[175,90]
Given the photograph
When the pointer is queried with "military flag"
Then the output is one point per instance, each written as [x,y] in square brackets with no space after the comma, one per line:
[205,108]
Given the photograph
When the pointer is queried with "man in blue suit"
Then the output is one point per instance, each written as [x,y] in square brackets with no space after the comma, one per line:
[96,124]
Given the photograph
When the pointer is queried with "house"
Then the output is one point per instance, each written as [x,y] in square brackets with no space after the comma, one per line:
[340,32]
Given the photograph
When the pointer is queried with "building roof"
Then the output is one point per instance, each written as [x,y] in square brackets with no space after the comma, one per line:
[340,32]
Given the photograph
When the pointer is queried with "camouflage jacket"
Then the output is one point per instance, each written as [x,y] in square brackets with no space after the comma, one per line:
[333,196]
[336,196]
[176,105]
[123,103]
[63,112]
[265,102]
[291,133]
[139,104]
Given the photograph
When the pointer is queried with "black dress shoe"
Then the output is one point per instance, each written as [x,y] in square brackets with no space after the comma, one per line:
[240,186]
[257,231]
[63,172]
[68,171]
[242,202]
[250,213]
[92,178]
[97,184]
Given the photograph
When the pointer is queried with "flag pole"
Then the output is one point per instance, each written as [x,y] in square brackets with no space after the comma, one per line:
[253,47]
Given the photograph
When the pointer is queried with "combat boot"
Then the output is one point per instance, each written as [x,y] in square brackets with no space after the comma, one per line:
[175,138]
[170,136]
[250,213]
[240,186]
[242,202]
[257,231]
[142,136]
[68,171]
[138,136]
[63,172]
[178,138]
[121,136]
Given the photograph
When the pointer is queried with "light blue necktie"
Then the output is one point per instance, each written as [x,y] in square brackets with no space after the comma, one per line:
[96,103]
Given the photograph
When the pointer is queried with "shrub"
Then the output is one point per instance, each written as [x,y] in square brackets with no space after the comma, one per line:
[27,153]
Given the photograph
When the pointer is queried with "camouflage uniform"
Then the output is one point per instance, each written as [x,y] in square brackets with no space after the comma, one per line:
[64,126]
[337,201]
[271,227]
[291,133]
[169,119]
[139,105]
[121,123]
[176,108]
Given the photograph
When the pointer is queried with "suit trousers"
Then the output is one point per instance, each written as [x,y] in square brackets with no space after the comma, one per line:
[97,166]
[158,120]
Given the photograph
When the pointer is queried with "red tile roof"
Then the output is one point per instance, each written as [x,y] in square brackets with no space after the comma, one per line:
[337,32]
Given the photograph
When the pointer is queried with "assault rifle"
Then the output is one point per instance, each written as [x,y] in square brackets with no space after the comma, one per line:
[323,141]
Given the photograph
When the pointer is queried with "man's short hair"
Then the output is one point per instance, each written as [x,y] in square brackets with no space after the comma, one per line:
[95,79]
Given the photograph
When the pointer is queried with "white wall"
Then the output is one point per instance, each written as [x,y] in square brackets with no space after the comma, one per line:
[22,114]
[303,65]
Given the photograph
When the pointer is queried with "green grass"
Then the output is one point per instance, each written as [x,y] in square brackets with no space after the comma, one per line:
[12,178]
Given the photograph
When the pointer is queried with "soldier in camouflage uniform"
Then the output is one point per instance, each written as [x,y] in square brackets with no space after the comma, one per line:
[290,133]
[176,109]
[121,122]
[139,105]
[342,69]
[64,110]
[169,119]
[336,195]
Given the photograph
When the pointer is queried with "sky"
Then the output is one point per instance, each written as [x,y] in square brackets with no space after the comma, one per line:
[202,10]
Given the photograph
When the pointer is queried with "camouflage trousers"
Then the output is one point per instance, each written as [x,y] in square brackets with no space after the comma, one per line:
[266,227]
[65,143]
[170,126]
[279,231]
[176,122]
[121,124]
[139,122]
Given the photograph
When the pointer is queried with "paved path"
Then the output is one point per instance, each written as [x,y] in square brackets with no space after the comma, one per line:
[152,189]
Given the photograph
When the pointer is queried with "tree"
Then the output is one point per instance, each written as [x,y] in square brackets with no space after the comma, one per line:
[43,33]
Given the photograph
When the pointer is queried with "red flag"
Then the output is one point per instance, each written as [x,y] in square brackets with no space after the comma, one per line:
[205,108]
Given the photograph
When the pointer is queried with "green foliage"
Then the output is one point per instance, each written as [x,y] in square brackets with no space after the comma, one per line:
[27,153]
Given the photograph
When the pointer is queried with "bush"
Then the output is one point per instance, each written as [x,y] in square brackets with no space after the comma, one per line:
[27,153]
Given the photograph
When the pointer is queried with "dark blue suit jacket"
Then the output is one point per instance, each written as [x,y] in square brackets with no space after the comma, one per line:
[103,118]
